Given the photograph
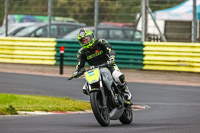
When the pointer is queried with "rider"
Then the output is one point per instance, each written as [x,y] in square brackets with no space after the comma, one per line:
[97,52]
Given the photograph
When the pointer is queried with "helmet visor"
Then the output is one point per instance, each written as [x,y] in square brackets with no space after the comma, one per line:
[85,39]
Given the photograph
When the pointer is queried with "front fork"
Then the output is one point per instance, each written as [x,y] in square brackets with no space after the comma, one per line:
[103,95]
[101,89]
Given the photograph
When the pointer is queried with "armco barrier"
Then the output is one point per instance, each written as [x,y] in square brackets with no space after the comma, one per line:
[129,54]
[27,50]
[137,55]
[172,56]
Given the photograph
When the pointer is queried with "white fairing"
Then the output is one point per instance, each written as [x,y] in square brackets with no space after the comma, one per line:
[107,77]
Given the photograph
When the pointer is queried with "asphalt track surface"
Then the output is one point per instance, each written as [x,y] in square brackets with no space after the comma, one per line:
[174,109]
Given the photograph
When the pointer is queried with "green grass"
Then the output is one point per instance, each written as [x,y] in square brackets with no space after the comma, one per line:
[11,103]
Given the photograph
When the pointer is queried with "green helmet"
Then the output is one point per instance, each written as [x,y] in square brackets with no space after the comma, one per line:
[86,38]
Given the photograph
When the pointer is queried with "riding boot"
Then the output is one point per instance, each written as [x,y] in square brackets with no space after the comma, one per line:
[85,89]
[127,93]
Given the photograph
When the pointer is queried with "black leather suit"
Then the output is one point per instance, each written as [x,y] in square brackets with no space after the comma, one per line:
[98,55]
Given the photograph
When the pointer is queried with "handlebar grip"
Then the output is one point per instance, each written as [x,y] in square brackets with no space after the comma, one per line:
[103,65]
[70,78]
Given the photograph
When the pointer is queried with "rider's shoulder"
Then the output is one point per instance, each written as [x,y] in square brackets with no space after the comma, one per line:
[80,50]
[101,40]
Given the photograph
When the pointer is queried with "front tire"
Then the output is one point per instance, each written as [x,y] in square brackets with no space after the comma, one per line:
[127,116]
[101,114]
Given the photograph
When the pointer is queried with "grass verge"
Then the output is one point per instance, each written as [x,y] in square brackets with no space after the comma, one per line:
[11,103]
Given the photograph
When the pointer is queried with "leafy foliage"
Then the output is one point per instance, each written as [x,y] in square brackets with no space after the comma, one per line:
[83,10]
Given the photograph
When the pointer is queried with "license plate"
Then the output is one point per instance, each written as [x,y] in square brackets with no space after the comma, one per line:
[91,73]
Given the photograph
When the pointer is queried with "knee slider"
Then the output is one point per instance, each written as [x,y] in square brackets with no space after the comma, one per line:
[119,77]
[122,79]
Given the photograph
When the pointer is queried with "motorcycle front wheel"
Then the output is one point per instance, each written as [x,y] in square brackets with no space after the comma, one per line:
[101,114]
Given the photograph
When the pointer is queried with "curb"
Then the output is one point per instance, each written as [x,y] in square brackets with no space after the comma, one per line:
[71,112]
[51,113]
[134,107]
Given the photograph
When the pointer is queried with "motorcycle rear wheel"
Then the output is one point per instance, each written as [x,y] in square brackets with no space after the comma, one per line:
[127,116]
[101,114]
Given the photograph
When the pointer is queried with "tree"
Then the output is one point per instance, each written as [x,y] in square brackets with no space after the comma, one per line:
[83,10]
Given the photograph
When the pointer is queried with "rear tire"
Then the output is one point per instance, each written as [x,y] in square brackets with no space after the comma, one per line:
[127,116]
[101,114]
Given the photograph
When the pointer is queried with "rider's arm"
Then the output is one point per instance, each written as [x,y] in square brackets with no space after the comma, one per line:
[81,60]
[107,48]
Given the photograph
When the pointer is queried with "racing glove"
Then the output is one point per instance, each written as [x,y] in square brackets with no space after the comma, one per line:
[77,73]
[74,74]
[111,61]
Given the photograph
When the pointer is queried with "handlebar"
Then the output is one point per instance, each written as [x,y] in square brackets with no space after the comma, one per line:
[70,78]
[82,71]
[103,65]
[78,75]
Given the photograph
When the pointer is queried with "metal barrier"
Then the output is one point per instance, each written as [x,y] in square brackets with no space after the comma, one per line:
[71,49]
[129,54]
[136,55]
[172,56]
[27,50]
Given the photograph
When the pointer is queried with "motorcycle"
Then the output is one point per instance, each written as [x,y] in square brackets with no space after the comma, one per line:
[106,98]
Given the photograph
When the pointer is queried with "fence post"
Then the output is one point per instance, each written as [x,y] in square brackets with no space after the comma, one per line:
[49,17]
[144,19]
[6,17]
[194,23]
[96,14]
